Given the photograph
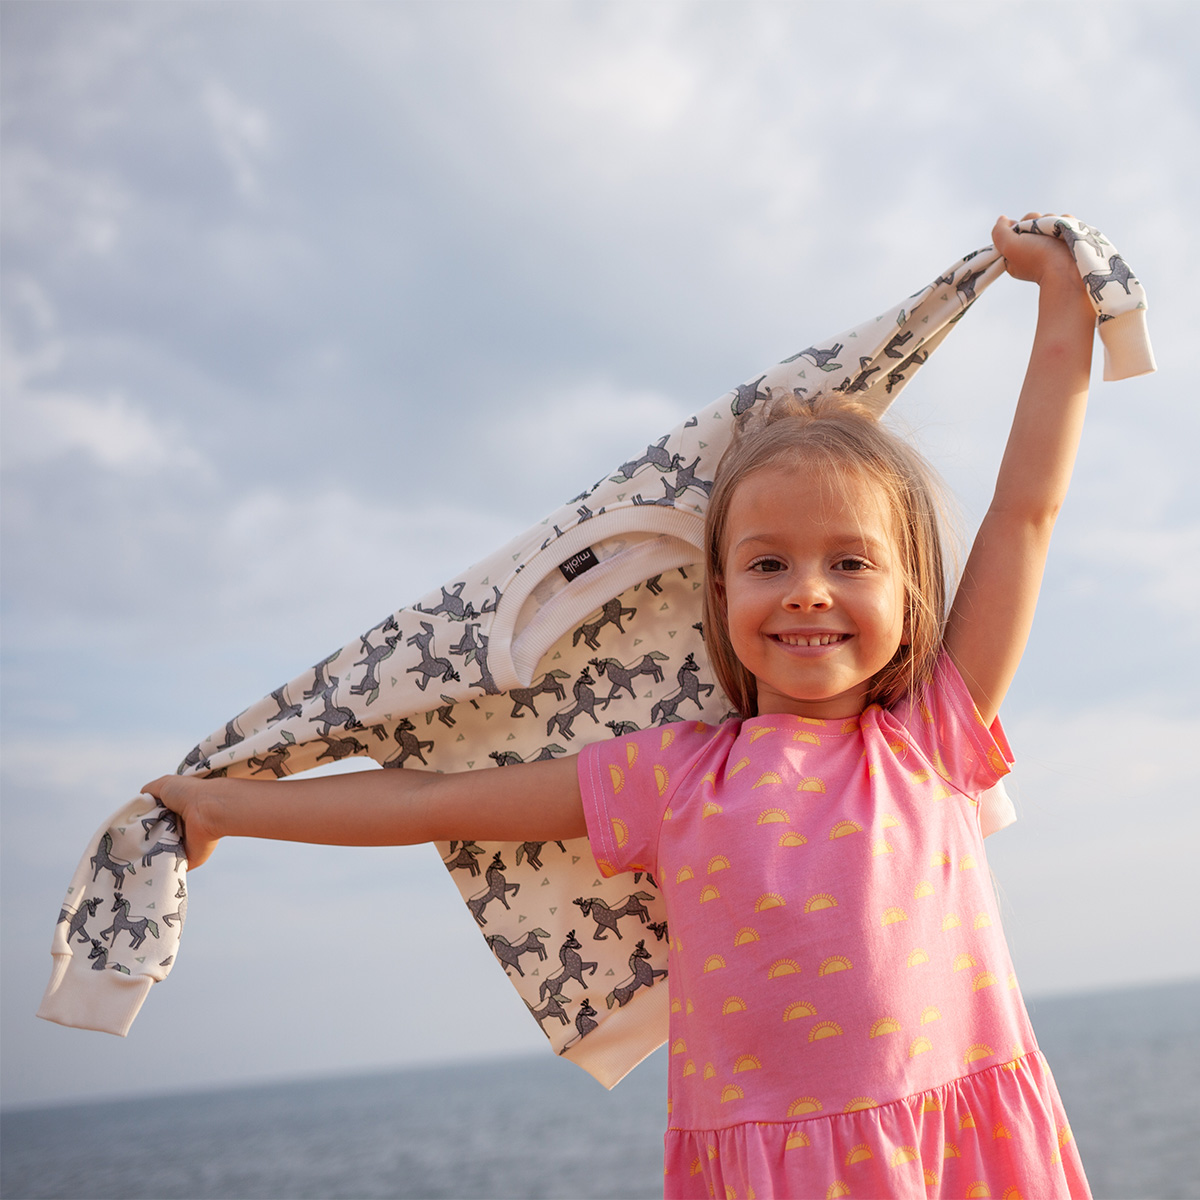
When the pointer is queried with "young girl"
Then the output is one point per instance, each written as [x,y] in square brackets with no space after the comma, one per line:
[844,1014]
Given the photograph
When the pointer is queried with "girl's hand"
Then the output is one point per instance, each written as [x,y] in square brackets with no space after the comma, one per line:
[191,799]
[1035,258]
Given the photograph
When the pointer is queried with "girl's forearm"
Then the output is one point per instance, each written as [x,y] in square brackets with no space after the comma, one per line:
[524,802]
[1035,471]
[366,808]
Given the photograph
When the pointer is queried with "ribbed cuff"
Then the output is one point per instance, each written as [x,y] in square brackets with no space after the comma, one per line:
[1126,342]
[105,1001]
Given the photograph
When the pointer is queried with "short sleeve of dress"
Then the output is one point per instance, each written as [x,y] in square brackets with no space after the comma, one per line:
[627,784]
[944,726]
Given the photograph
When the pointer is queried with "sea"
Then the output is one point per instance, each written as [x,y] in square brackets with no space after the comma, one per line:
[1127,1064]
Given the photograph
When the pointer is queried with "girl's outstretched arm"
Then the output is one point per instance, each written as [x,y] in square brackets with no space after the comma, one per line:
[993,610]
[524,802]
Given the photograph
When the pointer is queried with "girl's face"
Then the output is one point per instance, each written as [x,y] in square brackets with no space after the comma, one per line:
[813,589]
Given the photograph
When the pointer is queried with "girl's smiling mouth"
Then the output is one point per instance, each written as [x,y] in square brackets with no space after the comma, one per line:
[811,639]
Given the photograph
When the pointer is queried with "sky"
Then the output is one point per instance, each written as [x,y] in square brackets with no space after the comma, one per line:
[305,307]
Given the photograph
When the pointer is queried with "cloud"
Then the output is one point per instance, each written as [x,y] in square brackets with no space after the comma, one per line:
[44,422]
[242,133]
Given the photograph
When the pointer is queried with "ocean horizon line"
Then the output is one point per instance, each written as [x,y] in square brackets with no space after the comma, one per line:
[1035,1003]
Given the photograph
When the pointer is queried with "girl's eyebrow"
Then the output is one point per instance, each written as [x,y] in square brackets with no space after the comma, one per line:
[849,540]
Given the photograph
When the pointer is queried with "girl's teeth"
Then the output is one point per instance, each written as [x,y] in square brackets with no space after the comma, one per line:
[820,640]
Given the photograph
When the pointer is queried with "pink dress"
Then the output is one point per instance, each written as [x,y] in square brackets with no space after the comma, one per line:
[845,1020]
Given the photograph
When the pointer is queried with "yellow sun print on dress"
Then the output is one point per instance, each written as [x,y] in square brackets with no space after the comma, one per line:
[950,921]
[783,966]
[689,1067]
[880,846]
[767,778]
[679,1046]
[792,839]
[985,979]
[662,777]
[742,762]
[844,829]
[684,874]
[714,962]
[884,1025]
[892,915]
[859,1153]
[810,738]
[762,731]
[799,1008]
[797,1140]
[924,888]
[967,862]
[819,901]
[620,831]
[824,1029]
[718,862]
[837,1189]
[747,1062]
[731,1091]
[859,1103]
[979,1191]
[769,900]
[709,892]
[976,1052]
[803,1105]
[811,784]
[617,776]
[770,816]
[733,1004]
[631,753]
[745,935]
[982,921]
[710,1072]
[963,962]
[902,1155]
[917,956]
[930,1014]
[711,809]
[835,962]
[919,1046]
[668,736]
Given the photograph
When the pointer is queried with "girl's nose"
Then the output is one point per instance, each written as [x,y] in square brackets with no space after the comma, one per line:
[808,592]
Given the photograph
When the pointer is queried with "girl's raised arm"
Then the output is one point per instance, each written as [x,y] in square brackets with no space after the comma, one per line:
[537,801]
[993,610]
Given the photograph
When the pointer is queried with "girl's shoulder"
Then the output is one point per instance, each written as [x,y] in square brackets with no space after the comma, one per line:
[940,721]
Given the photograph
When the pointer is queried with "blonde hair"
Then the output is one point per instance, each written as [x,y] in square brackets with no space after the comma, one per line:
[837,437]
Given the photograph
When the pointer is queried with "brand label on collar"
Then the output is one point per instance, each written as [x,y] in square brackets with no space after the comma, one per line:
[575,566]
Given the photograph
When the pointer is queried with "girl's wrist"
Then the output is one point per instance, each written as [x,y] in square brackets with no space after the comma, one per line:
[1062,277]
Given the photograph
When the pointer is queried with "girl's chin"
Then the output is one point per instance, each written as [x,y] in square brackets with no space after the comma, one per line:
[839,706]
